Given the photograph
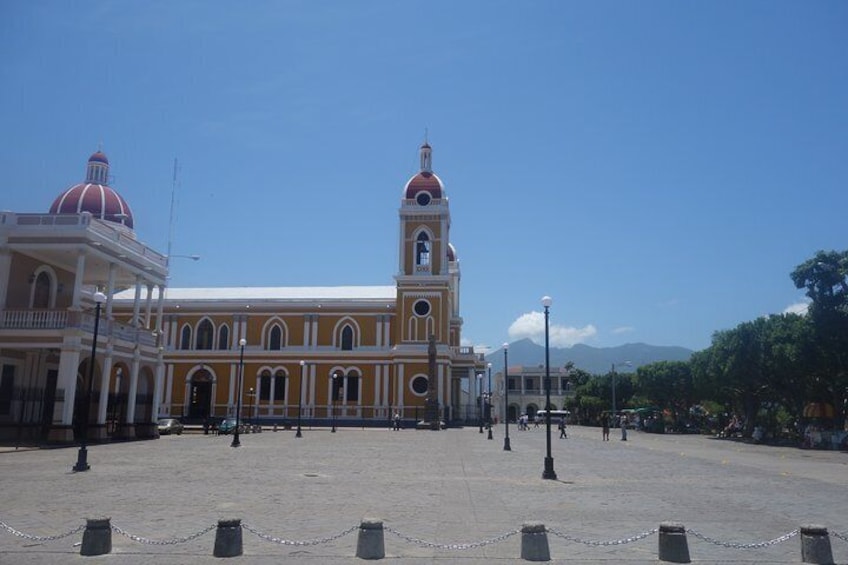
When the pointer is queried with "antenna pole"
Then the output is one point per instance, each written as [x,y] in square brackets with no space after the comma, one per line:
[171,215]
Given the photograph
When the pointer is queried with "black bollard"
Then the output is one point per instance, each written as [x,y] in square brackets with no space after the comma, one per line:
[673,546]
[97,537]
[815,545]
[228,540]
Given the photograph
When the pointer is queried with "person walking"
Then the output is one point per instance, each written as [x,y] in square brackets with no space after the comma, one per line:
[396,421]
[623,427]
[605,425]
[562,433]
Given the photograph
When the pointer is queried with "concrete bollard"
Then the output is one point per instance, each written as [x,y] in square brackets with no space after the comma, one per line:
[370,544]
[97,537]
[673,546]
[815,545]
[534,542]
[228,538]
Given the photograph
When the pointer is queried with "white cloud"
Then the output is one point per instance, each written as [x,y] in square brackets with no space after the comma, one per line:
[532,325]
[797,308]
[624,330]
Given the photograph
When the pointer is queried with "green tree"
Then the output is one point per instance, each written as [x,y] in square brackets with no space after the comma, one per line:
[737,362]
[790,361]
[667,384]
[825,277]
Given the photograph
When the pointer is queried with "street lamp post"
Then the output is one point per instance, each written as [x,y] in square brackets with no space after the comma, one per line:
[236,442]
[549,472]
[506,447]
[82,454]
[335,396]
[489,401]
[480,401]
[300,399]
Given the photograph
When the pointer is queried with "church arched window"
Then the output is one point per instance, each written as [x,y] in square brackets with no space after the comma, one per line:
[280,385]
[275,338]
[347,338]
[422,250]
[224,337]
[185,337]
[205,331]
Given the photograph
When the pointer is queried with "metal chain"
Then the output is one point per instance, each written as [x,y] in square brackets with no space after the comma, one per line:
[755,545]
[174,541]
[843,537]
[622,541]
[20,534]
[282,541]
[453,546]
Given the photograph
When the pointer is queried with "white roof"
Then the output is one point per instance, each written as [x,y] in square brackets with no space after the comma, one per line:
[272,293]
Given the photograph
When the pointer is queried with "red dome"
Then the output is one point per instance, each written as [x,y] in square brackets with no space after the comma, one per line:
[99,156]
[451,252]
[98,199]
[424,182]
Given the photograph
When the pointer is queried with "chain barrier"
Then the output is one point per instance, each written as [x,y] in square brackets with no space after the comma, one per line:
[282,541]
[20,534]
[417,541]
[173,541]
[755,545]
[593,543]
[453,546]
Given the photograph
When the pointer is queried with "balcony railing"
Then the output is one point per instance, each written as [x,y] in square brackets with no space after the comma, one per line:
[34,319]
[61,319]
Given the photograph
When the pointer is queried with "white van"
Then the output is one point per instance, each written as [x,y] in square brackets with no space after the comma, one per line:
[555,415]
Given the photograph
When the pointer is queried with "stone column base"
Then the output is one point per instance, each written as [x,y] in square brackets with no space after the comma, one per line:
[147,431]
[125,431]
[97,433]
[61,434]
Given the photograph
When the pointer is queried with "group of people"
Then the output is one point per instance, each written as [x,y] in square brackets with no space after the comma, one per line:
[524,424]
[605,427]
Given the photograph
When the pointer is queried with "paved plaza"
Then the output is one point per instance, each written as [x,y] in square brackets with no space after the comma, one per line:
[442,496]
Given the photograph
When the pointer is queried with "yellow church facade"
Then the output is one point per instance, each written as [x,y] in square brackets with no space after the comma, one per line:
[353,355]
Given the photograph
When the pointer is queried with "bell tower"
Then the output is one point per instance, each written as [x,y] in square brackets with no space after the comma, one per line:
[424,279]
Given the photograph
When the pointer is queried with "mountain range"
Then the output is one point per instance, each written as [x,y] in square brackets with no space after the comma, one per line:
[594,360]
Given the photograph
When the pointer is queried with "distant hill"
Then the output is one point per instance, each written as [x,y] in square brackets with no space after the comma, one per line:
[595,360]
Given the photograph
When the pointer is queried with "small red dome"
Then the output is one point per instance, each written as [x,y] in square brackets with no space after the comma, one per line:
[451,253]
[98,199]
[99,156]
[424,182]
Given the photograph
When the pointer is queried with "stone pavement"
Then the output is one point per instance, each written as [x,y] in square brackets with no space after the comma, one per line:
[431,489]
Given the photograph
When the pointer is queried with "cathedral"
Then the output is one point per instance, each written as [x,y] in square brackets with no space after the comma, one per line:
[92,341]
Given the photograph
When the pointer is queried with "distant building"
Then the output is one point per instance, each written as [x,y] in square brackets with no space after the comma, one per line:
[352,354]
[527,390]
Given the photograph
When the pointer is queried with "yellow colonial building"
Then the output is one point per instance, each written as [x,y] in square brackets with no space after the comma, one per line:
[352,355]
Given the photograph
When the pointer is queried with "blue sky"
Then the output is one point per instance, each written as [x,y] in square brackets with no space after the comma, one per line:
[657,168]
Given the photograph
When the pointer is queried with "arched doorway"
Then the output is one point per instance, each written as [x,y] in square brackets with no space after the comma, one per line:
[200,395]
[512,413]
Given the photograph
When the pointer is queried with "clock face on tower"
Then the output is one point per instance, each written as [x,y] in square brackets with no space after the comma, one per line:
[422,198]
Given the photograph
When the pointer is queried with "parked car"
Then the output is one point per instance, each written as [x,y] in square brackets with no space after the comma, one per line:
[228,426]
[169,426]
